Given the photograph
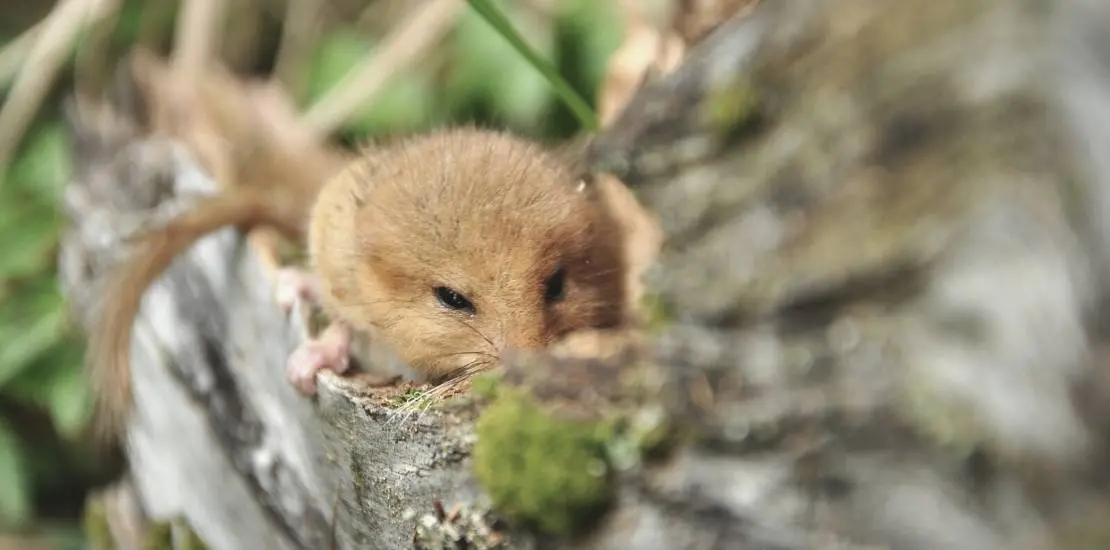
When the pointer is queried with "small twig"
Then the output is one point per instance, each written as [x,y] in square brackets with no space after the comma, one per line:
[93,65]
[380,15]
[302,24]
[13,55]
[41,65]
[196,37]
[646,50]
[242,29]
[412,38]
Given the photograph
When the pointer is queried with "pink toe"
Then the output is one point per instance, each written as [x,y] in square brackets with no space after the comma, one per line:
[301,369]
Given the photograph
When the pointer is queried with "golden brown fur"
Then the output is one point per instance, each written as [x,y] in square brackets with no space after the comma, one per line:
[486,214]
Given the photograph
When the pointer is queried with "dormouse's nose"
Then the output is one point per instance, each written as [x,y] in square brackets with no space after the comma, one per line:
[523,335]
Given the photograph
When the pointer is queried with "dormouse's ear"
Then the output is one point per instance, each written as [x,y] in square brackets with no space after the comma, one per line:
[641,235]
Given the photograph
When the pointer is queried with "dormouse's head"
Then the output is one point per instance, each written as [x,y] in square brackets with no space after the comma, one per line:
[473,242]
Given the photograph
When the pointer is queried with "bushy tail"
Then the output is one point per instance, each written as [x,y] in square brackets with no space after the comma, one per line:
[109,352]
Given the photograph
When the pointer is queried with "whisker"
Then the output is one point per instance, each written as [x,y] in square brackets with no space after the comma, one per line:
[424,400]
[478,332]
[603,273]
[483,353]
[454,374]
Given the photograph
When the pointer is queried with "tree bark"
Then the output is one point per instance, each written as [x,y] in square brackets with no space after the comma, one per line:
[800,382]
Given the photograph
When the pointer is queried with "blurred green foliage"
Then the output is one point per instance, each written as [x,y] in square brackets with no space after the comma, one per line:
[504,26]
[475,76]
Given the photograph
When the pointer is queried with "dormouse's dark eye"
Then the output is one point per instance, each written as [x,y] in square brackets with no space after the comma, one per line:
[453,300]
[555,286]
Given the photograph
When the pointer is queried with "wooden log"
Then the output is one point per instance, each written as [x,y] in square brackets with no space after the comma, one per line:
[877,321]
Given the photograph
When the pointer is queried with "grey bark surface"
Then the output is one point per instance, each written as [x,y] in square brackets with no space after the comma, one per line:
[881,284]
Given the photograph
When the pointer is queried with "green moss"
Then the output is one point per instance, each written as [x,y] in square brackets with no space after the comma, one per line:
[158,536]
[656,312]
[94,523]
[407,397]
[946,422]
[192,541]
[485,385]
[637,437]
[543,472]
[651,432]
[729,106]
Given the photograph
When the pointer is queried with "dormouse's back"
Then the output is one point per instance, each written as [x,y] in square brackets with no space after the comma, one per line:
[448,196]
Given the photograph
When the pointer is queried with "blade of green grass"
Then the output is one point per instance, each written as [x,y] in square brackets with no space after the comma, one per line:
[496,19]
[15,498]
[30,324]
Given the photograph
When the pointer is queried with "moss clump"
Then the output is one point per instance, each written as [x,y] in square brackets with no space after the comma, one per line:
[544,472]
[947,422]
[730,106]
[407,397]
[655,312]
[652,432]
[192,541]
[485,385]
[158,536]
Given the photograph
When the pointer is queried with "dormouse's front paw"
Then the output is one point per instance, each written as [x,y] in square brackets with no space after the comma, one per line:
[330,351]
